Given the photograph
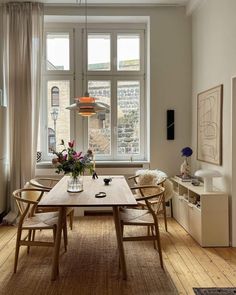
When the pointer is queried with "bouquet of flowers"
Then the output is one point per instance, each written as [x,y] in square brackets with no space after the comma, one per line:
[70,161]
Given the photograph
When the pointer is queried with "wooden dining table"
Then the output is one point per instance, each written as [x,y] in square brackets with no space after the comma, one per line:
[118,194]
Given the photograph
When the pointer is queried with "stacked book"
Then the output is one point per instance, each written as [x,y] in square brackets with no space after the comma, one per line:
[184,178]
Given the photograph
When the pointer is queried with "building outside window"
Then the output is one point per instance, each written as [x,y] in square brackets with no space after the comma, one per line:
[110,64]
[55,96]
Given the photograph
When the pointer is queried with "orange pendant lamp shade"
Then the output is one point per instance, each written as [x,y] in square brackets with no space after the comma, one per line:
[86,99]
[86,108]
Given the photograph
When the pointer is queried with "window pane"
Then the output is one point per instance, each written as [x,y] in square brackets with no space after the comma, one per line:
[58,117]
[99,125]
[128,52]
[58,52]
[128,102]
[99,52]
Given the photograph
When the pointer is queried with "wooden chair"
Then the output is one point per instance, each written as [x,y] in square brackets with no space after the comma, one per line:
[49,183]
[142,217]
[44,182]
[143,204]
[31,222]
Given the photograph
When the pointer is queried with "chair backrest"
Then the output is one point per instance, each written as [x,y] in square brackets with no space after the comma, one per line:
[153,201]
[148,177]
[43,182]
[27,200]
[153,177]
[134,178]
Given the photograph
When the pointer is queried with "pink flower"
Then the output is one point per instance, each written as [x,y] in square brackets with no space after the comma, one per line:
[71,143]
[76,155]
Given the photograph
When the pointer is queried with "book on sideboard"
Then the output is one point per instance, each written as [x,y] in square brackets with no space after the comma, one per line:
[185,178]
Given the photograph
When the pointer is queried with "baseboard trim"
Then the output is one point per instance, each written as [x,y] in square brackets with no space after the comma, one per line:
[4,213]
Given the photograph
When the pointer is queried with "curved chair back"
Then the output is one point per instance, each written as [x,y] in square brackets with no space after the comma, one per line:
[43,182]
[154,201]
[135,179]
[27,200]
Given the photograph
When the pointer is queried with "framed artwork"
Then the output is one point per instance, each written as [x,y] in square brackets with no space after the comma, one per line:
[209,125]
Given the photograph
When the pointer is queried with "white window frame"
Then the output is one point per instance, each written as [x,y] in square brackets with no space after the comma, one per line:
[78,75]
[44,114]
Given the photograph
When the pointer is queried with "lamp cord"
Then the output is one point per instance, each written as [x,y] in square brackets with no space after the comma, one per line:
[86,32]
[86,40]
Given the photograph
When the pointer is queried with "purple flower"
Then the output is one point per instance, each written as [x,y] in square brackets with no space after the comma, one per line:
[76,156]
[186,152]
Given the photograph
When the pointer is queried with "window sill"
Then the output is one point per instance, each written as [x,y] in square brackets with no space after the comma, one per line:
[101,164]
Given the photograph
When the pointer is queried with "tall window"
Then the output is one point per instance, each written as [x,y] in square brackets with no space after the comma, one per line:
[110,64]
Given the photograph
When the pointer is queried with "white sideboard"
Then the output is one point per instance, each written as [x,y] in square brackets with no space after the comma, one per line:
[204,215]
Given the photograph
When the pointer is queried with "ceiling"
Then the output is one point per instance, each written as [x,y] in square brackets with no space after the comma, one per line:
[190,5]
[109,2]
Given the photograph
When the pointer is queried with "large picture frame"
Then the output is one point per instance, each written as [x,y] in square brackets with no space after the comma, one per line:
[209,125]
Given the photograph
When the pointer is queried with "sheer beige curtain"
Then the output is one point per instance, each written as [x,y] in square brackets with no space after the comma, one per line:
[23,36]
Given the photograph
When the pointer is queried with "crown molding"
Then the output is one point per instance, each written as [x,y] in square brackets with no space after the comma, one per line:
[193,5]
[115,5]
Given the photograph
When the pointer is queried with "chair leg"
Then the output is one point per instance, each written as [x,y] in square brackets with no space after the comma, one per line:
[158,241]
[65,235]
[17,249]
[149,230]
[29,239]
[54,233]
[122,228]
[122,234]
[71,216]
[164,212]
[34,232]
[154,240]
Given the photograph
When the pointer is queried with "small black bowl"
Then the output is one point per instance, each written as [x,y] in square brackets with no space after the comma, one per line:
[195,182]
[107,181]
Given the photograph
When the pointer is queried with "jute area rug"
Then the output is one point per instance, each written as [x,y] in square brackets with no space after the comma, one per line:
[214,291]
[90,265]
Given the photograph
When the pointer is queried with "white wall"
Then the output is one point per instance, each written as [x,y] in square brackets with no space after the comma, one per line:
[214,63]
[170,76]
[1,43]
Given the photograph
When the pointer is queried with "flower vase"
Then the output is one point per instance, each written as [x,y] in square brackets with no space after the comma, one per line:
[75,184]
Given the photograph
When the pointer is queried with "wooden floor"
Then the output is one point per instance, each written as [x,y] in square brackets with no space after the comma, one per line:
[190,265]
[187,263]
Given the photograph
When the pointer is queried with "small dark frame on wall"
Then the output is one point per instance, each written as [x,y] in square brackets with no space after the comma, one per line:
[170,122]
[209,125]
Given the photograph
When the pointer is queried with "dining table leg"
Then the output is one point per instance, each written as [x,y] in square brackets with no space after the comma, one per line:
[116,216]
[56,252]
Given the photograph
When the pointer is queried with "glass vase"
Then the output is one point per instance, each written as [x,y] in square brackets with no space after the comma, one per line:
[75,184]
[185,169]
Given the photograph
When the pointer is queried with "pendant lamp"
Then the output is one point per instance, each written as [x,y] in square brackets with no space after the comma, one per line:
[86,105]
